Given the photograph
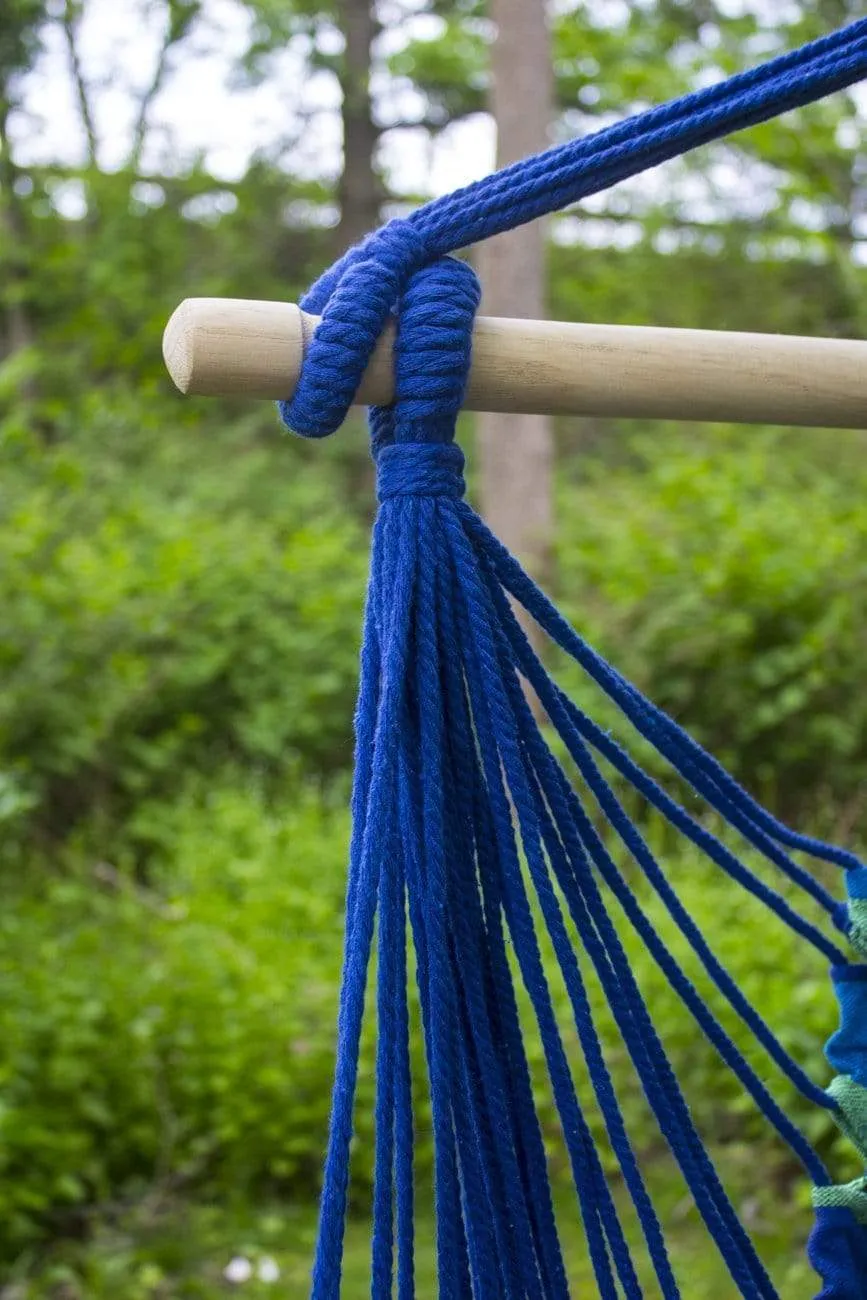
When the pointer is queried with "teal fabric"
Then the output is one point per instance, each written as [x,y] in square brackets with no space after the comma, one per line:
[851,1196]
[858,925]
[851,1116]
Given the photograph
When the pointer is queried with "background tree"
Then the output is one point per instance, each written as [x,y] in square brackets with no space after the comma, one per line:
[20,27]
[516,451]
[360,190]
[338,37]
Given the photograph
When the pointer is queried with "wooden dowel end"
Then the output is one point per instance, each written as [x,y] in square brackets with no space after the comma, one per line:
[227,347]
[240,347]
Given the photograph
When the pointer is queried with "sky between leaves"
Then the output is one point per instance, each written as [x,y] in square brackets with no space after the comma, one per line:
[206,109]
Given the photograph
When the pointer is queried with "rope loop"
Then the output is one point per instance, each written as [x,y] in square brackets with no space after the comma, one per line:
[413,440]
[433,349]
[356,299]
[357,294]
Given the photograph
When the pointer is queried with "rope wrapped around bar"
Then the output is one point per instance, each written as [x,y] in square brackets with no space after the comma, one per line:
[468,831]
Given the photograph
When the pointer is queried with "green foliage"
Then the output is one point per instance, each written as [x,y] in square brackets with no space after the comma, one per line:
[162,614]
[20,26]
[718,286]
[164,1250]
[100,290]
[728,579]
[180,1037]
[450,68]
[157,1038]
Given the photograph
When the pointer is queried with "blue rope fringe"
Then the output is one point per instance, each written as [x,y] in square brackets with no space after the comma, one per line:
[467,833]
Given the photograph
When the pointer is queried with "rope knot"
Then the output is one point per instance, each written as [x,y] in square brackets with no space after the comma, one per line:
[420,469]
[434,342]
[356,297]
[435,303]
[432,351]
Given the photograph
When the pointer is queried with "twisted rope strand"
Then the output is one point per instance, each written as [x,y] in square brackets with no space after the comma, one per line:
[657,1079]
[459,805]
[505,1024]
[702,772]
[560,792]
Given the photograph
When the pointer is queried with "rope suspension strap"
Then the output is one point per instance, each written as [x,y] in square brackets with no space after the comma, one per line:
[470,838]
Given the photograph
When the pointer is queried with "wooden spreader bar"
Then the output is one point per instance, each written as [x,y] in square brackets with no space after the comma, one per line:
[229,347]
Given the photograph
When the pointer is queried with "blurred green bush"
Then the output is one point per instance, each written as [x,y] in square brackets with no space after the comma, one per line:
[183,1034]
[170,598]
[180,1036]
[728,579]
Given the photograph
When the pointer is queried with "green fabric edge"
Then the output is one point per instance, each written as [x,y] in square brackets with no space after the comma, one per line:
[850,1196]
[850,1099]
[858,925]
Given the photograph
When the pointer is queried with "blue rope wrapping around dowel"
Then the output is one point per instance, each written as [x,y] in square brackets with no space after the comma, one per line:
[467,833]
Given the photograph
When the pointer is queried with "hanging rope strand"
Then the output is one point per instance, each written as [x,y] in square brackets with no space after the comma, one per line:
[670,1113]
[701,771]
[468,835]
[505,1027]
[584,838]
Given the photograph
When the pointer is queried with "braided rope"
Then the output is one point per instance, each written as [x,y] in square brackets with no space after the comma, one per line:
[467,832]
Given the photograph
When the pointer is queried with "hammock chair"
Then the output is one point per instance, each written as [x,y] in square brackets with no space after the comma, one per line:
[474,827]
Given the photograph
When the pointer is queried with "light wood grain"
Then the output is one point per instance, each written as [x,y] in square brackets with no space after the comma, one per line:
[238,347]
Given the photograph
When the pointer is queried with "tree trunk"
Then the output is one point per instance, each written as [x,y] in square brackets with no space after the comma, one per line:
[516,451]
[360,192]
[17,332]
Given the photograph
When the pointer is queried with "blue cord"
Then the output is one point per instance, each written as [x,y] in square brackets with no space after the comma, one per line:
[467,833]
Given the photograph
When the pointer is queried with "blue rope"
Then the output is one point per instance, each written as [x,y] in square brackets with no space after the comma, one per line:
[667,1105]
[522,1138]
[477,663]
[698,768]
[357,294]
[580,838]
[467,833]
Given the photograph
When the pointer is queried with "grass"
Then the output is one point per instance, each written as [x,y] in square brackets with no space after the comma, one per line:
[180,1251]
